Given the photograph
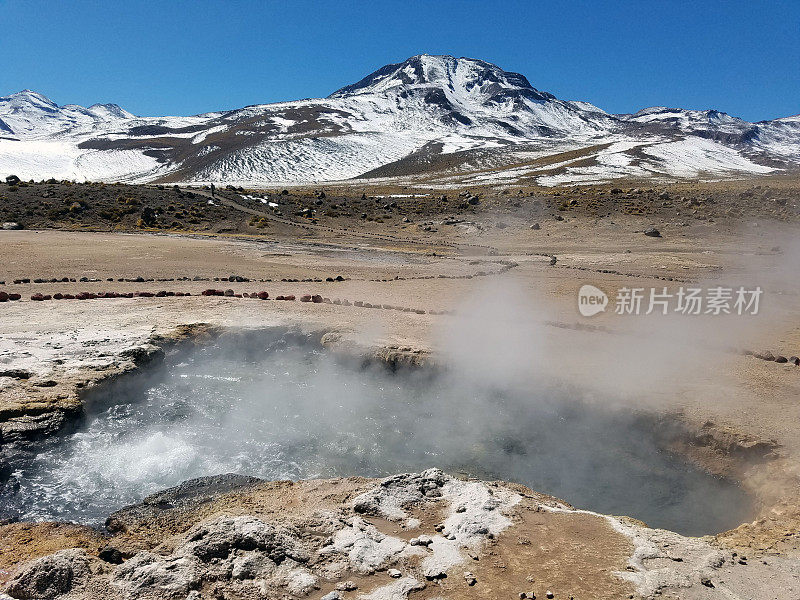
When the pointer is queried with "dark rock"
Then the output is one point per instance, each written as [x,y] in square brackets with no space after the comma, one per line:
[46,383]
[110,555]
[16,373]
[191,493]
[652,232]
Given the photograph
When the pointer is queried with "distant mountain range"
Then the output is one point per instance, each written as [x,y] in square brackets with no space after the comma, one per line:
[434,119]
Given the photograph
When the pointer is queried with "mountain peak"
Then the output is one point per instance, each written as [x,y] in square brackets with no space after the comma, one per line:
[27,97]
[29,114]
[461,76]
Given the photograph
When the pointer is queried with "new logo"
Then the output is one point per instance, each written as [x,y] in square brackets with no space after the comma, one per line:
[591,300]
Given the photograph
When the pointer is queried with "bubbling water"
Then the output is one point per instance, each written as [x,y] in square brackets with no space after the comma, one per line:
[275,405]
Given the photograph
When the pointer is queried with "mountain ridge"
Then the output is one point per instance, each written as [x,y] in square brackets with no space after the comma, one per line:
[425,104]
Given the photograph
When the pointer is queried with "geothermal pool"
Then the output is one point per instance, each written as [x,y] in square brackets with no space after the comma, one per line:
[275,405]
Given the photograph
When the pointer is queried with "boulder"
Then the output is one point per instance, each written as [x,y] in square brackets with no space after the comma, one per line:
[263,296]
[147,574]
[652,232]
[50,576]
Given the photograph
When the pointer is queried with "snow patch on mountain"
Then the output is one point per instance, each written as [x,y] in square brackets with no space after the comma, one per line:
[694,157]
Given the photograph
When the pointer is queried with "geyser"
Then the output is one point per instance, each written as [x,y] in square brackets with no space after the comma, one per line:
[276,405]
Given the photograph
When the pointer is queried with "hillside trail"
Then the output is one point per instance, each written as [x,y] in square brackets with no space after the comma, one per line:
[392,239]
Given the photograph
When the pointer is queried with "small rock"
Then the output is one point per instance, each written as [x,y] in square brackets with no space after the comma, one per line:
[110,555]
[652,232]
[346,586]
[394,573]
[536,227]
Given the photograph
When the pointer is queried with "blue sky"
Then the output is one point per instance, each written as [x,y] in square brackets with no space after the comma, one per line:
[176,57]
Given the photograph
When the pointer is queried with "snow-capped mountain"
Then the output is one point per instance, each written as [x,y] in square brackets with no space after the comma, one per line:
[32,115]
[433,117]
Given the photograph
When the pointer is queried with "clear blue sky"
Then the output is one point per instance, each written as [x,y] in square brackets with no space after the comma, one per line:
[175,57]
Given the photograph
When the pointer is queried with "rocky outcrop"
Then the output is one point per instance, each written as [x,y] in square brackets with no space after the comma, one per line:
[232,537]
[50,576]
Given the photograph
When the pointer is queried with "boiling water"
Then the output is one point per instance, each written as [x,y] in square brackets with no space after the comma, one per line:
[275,406]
